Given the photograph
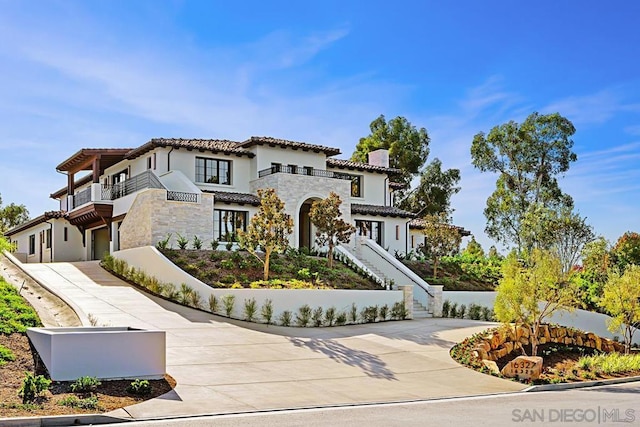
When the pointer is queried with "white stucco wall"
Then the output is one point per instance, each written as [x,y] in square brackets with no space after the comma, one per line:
[581,319]
[154,263]
[102,352]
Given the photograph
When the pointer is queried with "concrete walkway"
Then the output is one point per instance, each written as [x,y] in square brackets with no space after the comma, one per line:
[225,366]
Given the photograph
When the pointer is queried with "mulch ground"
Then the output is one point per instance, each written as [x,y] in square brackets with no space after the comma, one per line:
[111,394]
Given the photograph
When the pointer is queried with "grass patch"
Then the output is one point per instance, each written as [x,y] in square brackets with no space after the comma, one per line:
[16,315]
[610,364]
[6,355]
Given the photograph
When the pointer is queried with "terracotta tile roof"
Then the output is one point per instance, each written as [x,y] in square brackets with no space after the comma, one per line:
[36,221]
[78,183]
[268,140]
[419,223]
[229,197]
[357,208]
[348,164]
[82,160]
[213,145]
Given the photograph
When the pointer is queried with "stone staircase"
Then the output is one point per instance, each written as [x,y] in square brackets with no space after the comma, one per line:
[420,311]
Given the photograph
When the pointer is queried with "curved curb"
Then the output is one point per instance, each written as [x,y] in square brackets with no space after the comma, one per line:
[84,320]
[584,384]
[61,420]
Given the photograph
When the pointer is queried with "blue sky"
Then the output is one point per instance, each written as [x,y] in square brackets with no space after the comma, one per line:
[117,73]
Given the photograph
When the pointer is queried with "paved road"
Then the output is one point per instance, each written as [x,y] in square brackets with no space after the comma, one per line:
[224,366]
[608,405]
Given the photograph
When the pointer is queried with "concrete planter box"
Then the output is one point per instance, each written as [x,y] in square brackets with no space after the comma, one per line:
[103,352]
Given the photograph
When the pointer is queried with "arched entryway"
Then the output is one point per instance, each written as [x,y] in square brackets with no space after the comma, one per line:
[306,230]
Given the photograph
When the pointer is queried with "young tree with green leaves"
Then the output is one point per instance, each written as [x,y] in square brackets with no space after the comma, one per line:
[268,229]
[621,299]
[474,249]
[528,158]
[12,215]
[332,230]
[531,290]
[433,193]
[626,251]
[441,239]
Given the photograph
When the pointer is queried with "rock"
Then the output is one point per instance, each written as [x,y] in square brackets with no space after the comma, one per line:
[492,366]
[579,341]
[481,353]
[524,368]
[508,346]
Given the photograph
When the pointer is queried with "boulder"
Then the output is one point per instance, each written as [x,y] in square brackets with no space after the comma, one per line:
[492,366]
[524,368]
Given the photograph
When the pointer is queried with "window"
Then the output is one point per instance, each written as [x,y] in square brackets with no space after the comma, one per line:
[65,234]
[293,169]
[32,244]
[276,167]
[213,171]
[413,243]
[149,162]
[47,239]
[370,229]
[226,224]
[397,232]
[308,170]
[356,186]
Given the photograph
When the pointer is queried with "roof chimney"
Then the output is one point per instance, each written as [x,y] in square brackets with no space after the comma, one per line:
[379,158]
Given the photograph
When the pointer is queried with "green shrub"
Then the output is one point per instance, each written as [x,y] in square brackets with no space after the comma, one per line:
[475,311]
[316,317]
[15,314]
[303,316]
[462,311]
[228,264]
[353,313]
[453,311]
[6,355]
[184,294]
[182,241]
[487,314]
[369,314]
[229,246]
[384,312]
[304,274]
[228,301]
[197,243]
[85,385]
[341,319]
[139,388]
[285,318]
[250,309]
[398,311]
[446,306]
[228,279]
[90,402]
[267,311]
[32,387]
[164,243]
[330,316]
[213,303]
[195,300]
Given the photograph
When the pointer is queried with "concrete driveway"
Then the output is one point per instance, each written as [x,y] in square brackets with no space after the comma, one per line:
[226,366]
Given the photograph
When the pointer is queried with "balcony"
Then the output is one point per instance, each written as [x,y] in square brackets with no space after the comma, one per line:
[298,170]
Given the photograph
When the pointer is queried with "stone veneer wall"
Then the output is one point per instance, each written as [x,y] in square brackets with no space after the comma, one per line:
[504,342]
[152,217]
[294,190]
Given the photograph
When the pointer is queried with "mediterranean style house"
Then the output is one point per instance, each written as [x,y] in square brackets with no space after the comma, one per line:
[122,198]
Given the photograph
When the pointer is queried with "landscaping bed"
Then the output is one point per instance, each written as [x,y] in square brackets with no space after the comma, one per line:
[293,270]
[561,363]
[17,358]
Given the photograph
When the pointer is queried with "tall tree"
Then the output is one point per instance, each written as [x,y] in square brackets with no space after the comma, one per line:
[558,229]
[268,229]
[528,158]
[441,239]
[621,299]
[331,228]
[408,147]
[626,251]
[531,291]
[474,249]
[12,215]
[433,194]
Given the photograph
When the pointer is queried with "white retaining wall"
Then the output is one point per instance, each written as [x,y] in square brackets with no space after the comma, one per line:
[150,260]
[587,321]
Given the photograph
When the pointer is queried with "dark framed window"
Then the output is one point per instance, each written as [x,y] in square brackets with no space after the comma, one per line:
[32,244]
[149,162]
[356,185]
[47,238]
[370,229]
[65,234]
[308,170]
[226,224]
[213,171]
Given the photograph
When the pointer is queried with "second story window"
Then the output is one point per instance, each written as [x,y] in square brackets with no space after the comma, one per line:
[32,244]
[213,171]
[356,186]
